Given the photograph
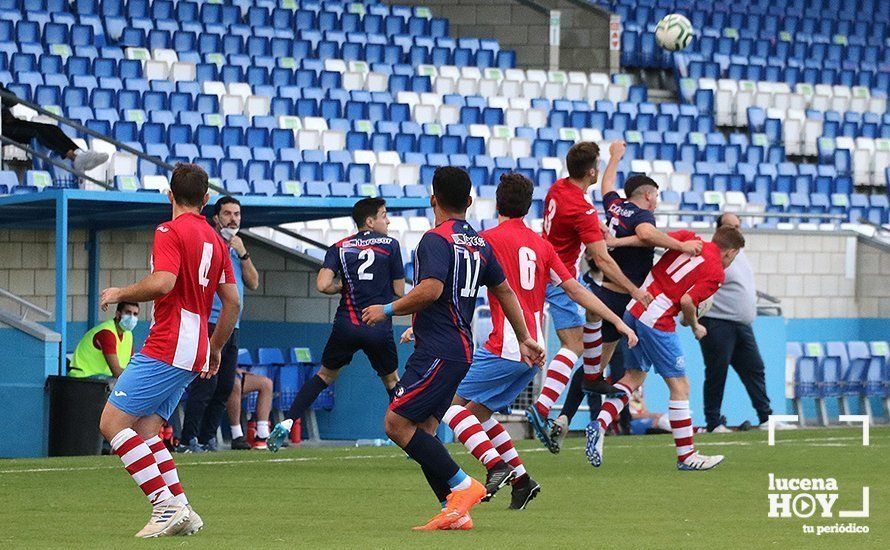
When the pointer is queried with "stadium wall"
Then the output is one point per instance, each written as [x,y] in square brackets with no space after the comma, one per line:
[818,300]
[584,29]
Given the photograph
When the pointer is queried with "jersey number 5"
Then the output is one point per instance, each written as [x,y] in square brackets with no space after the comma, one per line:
[368,256]
[204,268]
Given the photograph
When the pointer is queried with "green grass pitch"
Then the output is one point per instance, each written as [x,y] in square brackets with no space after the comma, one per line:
[371,497]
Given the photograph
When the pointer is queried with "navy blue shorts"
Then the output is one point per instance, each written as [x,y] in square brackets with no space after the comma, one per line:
[377,343]
[427,387]
[617,303]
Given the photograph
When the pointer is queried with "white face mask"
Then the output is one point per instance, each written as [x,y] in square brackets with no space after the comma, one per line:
[227,233]
[129,322]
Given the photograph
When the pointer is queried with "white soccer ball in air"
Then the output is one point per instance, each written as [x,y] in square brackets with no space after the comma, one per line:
[674,32]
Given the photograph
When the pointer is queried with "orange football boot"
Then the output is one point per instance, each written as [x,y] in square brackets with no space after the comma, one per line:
[459,504]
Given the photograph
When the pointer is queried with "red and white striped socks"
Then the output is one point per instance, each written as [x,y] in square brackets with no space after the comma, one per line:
[559,371]
[469,431]
[612,407]
[504,446]
[167,468]
[141,465]
[681,426]
[593,350]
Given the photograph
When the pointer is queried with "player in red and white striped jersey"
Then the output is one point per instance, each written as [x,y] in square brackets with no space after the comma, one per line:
[678,282]
[190,264]
[497,374]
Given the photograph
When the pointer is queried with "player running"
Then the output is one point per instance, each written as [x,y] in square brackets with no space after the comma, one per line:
[679,282]
[633,216]
[570,221]
[451,263]
[369,264]
[189,264]
[498,375]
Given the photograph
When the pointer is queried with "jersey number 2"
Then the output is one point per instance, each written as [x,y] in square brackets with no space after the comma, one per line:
[368,256]
[204,268]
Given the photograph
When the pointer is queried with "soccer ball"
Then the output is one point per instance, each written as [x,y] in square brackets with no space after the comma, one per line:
[674,32]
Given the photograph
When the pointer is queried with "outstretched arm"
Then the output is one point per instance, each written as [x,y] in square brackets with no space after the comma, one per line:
[149,289]
[610,176]
[420,297]
[651,236]
[591,303]
[597,250]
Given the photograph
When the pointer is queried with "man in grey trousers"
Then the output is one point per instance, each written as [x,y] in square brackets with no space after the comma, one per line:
[730,340]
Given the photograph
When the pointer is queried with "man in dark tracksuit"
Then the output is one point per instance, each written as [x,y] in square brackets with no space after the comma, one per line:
[730,340]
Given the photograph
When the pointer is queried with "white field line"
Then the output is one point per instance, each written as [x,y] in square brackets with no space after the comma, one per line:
[817,442]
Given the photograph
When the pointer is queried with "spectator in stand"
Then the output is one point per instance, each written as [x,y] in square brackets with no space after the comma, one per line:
[106,350]
[730,341]
[49,135]
[245,383]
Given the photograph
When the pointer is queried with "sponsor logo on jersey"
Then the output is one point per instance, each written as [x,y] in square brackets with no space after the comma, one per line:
[358,243]
[467,240]
[163,228]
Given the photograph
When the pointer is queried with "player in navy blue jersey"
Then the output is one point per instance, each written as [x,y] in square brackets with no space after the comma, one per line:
[451,263]
[632,234]
[370,271]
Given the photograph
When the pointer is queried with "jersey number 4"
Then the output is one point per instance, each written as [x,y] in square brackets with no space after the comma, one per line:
[204,268]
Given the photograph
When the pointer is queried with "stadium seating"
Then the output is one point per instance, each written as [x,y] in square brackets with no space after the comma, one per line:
[289,369]
[348,99]
[843,371]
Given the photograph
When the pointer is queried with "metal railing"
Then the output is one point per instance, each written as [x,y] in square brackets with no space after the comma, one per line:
[89,131]
[24,305]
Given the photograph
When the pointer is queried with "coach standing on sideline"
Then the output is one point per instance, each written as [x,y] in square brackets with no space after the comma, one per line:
[730,340]
[207,397]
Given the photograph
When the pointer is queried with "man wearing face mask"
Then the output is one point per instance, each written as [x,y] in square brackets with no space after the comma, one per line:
[105,350]
[207,398]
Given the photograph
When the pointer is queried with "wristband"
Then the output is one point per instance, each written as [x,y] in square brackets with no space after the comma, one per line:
[246,256]
[387,310]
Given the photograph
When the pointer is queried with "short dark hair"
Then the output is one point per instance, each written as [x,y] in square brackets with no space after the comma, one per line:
[636,182]
[514,195]
[728,238]
[366,208]
[222,201]
[583,156]
[122,305]
[189,184]
[451,187]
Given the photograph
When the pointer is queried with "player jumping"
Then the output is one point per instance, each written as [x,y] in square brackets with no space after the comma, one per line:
[189,264]
[370,266]
[498,375]
[633,216]
[570,221]
[679,282]
[451,263]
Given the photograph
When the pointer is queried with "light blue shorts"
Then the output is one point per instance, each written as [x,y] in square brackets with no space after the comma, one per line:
[493,381]
[656,348]
[148,386]
[564,312]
